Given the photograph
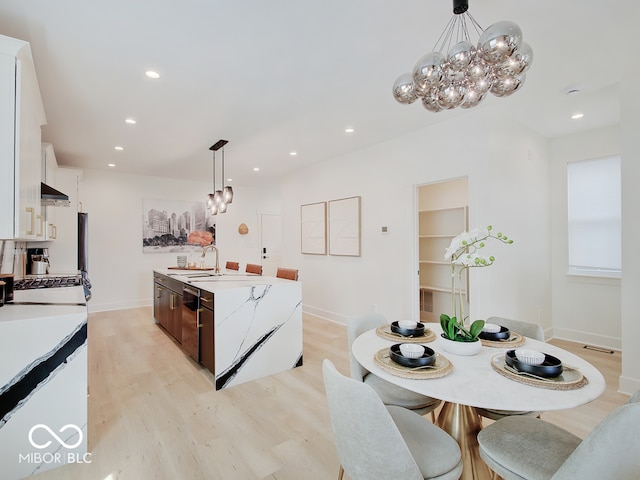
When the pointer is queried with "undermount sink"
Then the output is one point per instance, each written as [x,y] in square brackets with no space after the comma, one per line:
[223,277]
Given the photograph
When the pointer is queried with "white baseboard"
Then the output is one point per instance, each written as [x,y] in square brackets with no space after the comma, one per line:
[602,341]
[105,307]
[325,314]
[628,385]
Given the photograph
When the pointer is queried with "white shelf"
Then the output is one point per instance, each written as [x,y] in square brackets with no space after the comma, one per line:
[428,210]
[437,236]
[434,262]
[439,289]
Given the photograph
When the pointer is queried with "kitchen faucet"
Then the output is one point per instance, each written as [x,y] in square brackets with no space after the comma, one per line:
[204,253]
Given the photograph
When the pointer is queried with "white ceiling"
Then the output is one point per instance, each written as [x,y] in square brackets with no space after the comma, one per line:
[282,75]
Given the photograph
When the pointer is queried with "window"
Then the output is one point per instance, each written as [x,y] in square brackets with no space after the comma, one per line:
[593,188]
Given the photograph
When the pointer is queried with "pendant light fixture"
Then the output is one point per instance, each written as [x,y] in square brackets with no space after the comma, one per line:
[215,200]
[227,192]
[211,197]
[460,73]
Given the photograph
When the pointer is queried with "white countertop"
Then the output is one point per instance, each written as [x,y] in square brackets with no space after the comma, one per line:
[58,301]
[206,280]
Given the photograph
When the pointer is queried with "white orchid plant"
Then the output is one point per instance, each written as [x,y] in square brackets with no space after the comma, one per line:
[465,252]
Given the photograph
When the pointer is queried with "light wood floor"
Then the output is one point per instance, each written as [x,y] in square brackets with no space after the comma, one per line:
[153,412]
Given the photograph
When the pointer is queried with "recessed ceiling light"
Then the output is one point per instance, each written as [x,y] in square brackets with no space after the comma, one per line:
[256,169]
[349,130]
[293,154]
[229,179]
[119,148]
[130,121]
[576,116]
[573,89]
[152,74]
[111,164]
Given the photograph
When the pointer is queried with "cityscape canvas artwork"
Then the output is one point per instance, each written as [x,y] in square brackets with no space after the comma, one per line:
[176,226]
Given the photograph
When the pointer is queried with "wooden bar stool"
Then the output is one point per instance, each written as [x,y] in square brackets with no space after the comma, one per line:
[288,273]
[253,268]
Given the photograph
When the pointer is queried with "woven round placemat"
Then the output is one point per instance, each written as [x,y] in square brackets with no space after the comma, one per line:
[570,379]
[514,341]
[385,332]
[441,368]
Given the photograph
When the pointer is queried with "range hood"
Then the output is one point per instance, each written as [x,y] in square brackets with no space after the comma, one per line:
[51,197]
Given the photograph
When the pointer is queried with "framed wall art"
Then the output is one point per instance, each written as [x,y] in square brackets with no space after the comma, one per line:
[176,226]
[313,221]
[344,227]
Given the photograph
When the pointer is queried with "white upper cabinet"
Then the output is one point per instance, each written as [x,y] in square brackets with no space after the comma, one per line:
[7,120]
[49,171]
[21,118]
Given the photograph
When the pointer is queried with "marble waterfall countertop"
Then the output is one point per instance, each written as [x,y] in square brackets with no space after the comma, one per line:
[257,323]
[44,303]
[43,379]
[207,280]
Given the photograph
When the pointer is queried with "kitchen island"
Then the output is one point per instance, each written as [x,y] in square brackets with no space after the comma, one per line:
[241,327]
[43,381]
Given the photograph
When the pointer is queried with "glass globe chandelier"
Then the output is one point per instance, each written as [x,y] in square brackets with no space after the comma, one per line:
[218,200]
[463,74]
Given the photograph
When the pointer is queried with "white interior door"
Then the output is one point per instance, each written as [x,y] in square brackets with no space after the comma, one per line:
[270,243]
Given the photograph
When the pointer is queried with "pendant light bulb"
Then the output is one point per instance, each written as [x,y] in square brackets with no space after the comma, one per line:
[227,194]
[214,208]
[211,198]
[217,197]
[222,208]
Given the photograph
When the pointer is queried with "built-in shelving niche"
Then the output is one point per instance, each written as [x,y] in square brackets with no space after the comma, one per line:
[443,213]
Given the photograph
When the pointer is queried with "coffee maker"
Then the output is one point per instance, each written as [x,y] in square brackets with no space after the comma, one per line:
[38,261]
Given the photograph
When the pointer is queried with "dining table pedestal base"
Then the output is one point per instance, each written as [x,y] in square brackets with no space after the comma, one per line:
[463,424]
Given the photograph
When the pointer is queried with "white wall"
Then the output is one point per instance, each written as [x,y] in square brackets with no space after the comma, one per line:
[511,192]
[119,271]
[630,104]
[507,168]
[513,175]
[584,309]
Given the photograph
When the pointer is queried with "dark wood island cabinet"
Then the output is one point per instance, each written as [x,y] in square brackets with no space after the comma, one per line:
[239,326]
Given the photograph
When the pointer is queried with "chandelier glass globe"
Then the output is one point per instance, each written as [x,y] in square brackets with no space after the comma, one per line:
[462,74]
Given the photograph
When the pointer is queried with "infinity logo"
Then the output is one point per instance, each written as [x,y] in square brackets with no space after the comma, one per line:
[53,434]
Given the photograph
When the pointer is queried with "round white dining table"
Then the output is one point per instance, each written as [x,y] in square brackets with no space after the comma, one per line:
[474,383]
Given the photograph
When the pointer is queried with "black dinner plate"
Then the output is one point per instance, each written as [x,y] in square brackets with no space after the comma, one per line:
[503,334]
[550,368]
[428,358]
[408,332]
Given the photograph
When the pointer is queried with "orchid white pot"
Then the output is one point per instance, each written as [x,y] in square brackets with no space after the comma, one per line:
[460,348]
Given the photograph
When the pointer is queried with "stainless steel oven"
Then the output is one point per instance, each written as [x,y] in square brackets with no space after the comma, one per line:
[190,320]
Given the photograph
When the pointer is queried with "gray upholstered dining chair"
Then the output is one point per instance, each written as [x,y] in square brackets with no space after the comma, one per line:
[525,448]
[389,393]
[374,442]
[635,398]
[531,330]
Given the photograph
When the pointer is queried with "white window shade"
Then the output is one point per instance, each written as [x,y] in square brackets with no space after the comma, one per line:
[594,214]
